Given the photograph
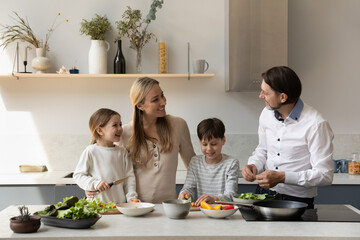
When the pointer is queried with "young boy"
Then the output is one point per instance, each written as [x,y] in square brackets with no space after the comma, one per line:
[213,175]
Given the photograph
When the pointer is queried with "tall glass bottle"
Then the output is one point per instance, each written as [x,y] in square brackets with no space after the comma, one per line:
[119,61]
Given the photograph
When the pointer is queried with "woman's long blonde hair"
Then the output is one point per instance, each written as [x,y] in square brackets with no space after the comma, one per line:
[137,145]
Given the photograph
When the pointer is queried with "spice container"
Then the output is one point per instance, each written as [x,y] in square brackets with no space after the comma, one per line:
[162,57]
[354,165]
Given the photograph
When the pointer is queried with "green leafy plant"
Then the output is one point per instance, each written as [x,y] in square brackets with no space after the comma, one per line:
[23,32]
[96,28]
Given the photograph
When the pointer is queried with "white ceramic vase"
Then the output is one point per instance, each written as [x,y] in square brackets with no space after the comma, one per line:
[40,63]
[98,56]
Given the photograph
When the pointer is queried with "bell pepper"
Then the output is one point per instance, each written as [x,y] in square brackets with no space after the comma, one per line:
[229,207]
[205,205]
[218,207]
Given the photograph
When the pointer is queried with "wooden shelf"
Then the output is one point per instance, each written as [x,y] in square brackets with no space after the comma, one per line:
[130,76]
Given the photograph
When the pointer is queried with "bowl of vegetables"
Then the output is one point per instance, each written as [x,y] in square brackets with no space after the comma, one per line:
[252,197]
[217,210]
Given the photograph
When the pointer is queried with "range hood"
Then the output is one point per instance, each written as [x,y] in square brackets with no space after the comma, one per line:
[256,40]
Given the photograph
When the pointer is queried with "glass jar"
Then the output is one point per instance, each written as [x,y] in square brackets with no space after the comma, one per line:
[162,57]
[354,165]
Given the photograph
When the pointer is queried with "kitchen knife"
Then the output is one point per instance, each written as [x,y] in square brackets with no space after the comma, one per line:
[118,181]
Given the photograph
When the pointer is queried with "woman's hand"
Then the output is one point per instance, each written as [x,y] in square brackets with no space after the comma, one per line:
[206,198]
[91,194]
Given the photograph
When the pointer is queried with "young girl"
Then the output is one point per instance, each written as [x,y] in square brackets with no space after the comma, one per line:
[102,162]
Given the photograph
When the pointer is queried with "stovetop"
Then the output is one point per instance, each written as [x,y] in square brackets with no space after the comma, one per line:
[321,213]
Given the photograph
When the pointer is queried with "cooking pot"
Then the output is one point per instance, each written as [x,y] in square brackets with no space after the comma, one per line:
[275,209]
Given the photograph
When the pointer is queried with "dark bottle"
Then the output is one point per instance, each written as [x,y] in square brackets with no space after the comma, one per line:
[119,61]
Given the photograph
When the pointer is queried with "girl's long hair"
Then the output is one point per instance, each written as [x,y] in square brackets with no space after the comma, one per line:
[137,146]
[99,119]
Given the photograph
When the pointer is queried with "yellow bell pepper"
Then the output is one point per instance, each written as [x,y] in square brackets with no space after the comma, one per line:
[217,207]
[205,205]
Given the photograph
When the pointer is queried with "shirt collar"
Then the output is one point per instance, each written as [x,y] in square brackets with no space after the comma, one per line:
[295,113]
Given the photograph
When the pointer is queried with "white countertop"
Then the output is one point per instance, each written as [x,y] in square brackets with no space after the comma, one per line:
[57,178]
[156,225]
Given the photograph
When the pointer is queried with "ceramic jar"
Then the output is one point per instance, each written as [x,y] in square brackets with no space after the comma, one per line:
[40,63]
[29,226]
[98,56]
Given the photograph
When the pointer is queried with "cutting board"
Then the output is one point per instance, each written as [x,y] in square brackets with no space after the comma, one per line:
[111,212]
[194,208]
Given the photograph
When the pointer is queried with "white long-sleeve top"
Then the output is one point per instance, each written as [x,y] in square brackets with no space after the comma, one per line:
[301,146]
[99,163]
[219,179]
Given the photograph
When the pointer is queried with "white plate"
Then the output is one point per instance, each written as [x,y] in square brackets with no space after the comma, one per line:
[135,209]
[219,213]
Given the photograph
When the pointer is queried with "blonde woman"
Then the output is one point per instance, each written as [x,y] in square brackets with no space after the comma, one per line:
[154,141]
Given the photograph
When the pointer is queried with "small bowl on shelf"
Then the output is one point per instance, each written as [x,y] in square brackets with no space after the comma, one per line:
[176,209]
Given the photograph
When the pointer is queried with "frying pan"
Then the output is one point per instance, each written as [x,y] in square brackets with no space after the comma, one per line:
[275,209]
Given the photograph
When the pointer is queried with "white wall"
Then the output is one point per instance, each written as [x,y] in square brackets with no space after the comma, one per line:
[45,120]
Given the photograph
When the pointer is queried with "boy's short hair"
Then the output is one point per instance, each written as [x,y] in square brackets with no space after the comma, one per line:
[211,128]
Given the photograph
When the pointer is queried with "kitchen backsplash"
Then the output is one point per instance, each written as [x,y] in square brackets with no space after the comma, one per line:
[61,152]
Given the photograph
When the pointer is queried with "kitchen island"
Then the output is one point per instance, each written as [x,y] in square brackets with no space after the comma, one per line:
[156,225]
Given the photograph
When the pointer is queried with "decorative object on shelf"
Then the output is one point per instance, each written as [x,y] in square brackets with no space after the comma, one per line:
[25,59]
[62,70]
[119,61]
[40,63]
[135,28]
[200,65]
[96,28]
[98,56]
[25,223]
[74,70]
[23,32]
[162,57]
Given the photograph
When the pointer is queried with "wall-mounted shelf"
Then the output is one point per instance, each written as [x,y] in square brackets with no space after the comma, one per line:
[151,75]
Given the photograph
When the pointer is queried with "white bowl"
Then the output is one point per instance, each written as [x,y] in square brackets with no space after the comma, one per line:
[135,209]
[219,213]
[176,208]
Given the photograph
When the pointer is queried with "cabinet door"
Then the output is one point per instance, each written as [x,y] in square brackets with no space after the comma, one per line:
[257,39]
[26,195]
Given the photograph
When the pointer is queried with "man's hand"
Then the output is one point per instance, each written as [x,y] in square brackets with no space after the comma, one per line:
[269,178]
[249,172]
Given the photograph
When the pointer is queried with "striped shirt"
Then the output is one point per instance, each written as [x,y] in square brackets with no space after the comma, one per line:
[219,179]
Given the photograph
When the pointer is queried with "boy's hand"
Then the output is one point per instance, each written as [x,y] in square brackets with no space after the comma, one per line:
[102,186]
[134,200]
[182,195]
[206,198]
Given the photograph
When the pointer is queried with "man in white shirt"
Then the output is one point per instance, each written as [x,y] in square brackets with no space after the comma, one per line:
[295,149]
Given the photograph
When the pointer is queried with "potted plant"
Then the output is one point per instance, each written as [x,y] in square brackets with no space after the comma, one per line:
[97,28]
[25,223]
[134,27]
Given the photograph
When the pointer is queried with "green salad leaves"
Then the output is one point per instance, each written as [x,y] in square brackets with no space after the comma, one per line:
[253,196]
[74,208]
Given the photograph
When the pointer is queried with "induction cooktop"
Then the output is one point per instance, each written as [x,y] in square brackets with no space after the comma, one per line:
[321,213]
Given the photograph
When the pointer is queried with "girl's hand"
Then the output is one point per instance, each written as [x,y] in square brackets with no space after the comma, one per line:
[206,198]
[102,186]
[184,195]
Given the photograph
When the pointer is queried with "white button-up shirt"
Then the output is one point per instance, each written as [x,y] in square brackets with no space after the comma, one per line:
[301,146]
